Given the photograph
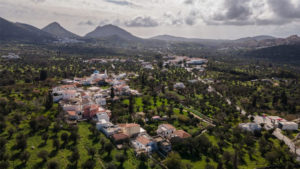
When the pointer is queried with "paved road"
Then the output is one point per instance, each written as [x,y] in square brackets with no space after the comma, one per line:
[278,134]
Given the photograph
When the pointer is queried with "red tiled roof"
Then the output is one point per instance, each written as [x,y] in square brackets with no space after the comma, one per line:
[143,140]
[129,125]
[119,136]
[169,126]
[71,113]
[182,134]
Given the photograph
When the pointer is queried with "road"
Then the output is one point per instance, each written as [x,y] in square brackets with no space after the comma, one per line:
[278,134]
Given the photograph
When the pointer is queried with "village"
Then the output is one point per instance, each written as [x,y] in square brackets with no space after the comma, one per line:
[84,99]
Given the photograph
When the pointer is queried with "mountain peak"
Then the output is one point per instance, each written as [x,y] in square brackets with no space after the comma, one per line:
[57,30]
[110,30]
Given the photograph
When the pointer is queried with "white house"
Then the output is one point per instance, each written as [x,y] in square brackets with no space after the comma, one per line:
[179,85]
[165,130]
[102,116]
[101,101]
[69,94]
[288,125]
[250,127]
[144,143]
[72,107]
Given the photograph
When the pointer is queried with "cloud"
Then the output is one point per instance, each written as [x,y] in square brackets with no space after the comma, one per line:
[142,21]
[171,19]
[120,2]
[189,2]
[250,12]
[235,10]
[88,23]
[285,8]
[191,18]
[116,22]
[38,1]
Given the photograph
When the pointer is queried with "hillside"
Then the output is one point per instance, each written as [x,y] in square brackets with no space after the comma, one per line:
[58,31]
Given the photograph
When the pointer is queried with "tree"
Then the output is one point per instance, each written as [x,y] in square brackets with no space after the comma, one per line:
[4,164]
[89,164]
[64,137]
[49,101]
[121,158]
[25,156]
[111,166]
[272,156]
[112,92]
[108,147]
[174,161]
[56,144]
[45,137]
[74,157]
[43,75]
[53,165]
[43,154]
[91,152]
[21,142]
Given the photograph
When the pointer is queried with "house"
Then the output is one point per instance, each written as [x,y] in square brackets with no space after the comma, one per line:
[69,94]
[101,101]
[71,107]
[165,130]
[90,111]
[252,127]
[275,120]
[144,143]
[156,118]
[197,62]
[163,144]
[179,85]
[288,125]
[102,115]
[64,87]
[72,115]
[181,134]
[119,138]
[107,128]
[130,129]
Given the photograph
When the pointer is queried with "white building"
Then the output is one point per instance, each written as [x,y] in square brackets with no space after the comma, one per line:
[102,116]
[288,125]
[179,85]
[144,143]
[250,127]
[101,101]
[165,130]
[69,94]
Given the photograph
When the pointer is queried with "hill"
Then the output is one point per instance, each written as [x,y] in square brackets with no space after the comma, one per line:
[111,30]
[58,31]
[22,32]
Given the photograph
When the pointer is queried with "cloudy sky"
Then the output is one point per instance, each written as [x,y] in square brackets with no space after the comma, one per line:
[218,19]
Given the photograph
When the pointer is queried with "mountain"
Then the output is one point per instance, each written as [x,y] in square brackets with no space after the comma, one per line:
[58,31]
[111,30]
[255,38]
[10,31]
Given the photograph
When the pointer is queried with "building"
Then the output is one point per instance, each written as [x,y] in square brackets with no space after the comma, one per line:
[179,85]
[102,116]
[72,115]
[144,143]
[101,101]
[69,94]
[252,127]
[119,138]
[90,111]
[130,129]
[165,130]
[288,125]
[181,134]
[163,144]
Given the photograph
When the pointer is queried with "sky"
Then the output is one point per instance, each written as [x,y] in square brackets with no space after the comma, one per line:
[212,19]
